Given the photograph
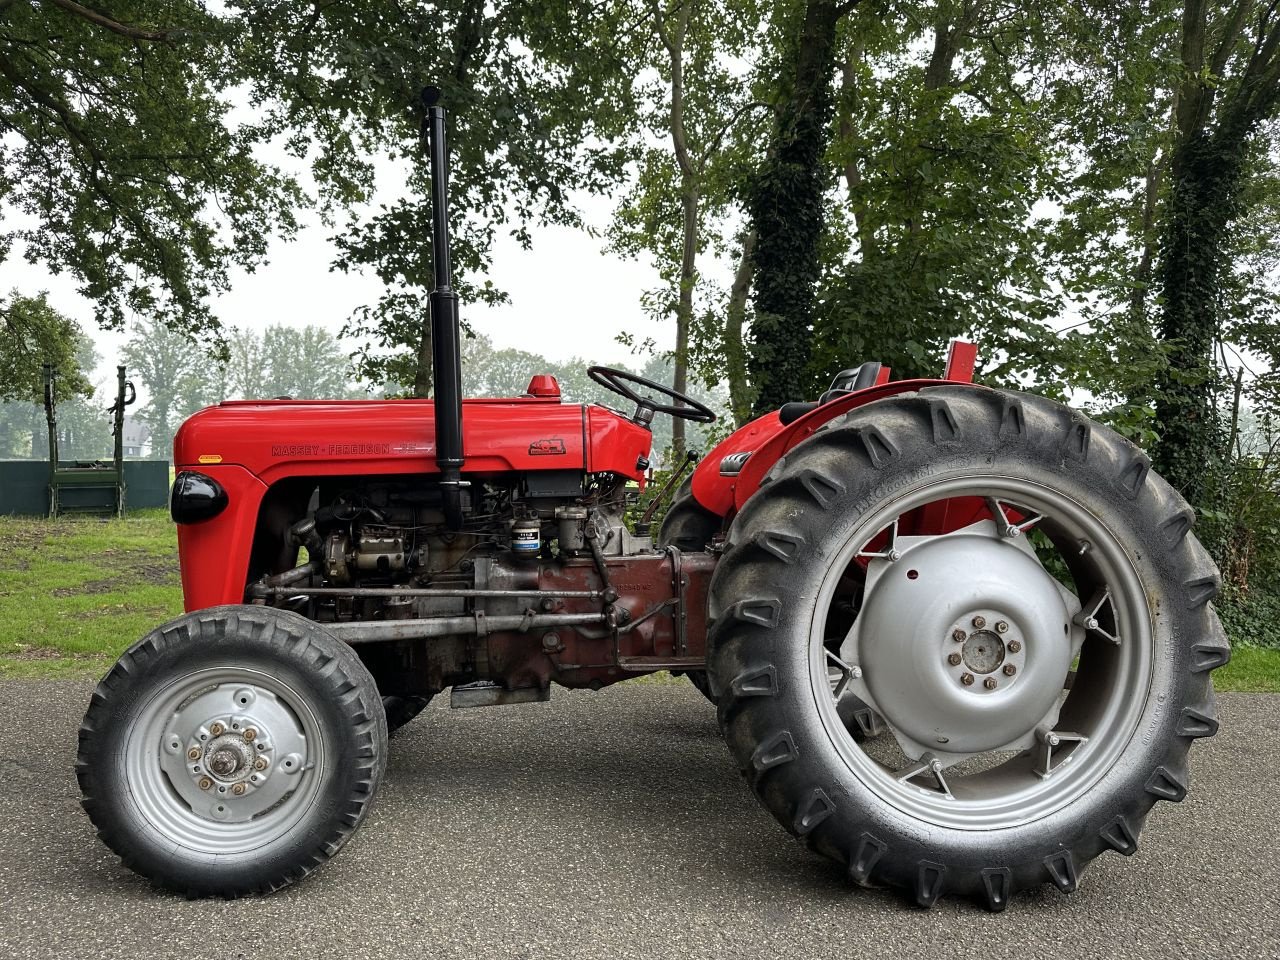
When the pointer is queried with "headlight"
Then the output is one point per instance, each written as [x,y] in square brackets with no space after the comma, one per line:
[196,497]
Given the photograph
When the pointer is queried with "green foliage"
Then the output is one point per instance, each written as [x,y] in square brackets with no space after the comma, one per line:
[491,372]
[531,119]
[124,157]
[787,204]
[33,333]
[1252,621]
[180,378]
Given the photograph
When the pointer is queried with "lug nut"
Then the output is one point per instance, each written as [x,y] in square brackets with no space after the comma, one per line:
[959,636]
[205,783]
[1014,646]
[966,679]
[250,734]
[216,729]
[193,753]
[238,789]
[1002,627]
[260,763]
[979,622]
[1010,669]
[954,659]
[989,683]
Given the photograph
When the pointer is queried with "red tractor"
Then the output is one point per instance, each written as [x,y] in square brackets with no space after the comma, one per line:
[959,639]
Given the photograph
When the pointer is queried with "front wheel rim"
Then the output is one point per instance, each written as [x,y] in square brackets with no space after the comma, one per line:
[224,760]
[1104,707]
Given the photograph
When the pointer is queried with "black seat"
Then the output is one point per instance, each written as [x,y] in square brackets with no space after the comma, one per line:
[846,381]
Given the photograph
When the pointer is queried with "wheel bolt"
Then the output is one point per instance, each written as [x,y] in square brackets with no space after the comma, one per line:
[260,763]
[205,783]
[1010,669]
[966,679]
[954,659]
[979,622]
[250,734]
[1002,627]
[216,729]
[989,683]
[1014,646]
[193,753]
[959,636]
[238,789]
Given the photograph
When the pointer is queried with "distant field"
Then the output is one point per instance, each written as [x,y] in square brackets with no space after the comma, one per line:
[74,593]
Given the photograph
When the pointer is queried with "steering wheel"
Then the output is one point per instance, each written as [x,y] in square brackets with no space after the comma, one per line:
[619,381]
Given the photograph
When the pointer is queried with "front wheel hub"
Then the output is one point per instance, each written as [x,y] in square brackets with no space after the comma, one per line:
[964,641]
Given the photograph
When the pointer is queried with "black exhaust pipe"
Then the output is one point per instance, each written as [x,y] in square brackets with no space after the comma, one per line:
[446,359]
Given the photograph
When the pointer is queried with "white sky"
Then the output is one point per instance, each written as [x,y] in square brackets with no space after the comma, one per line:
[568,298]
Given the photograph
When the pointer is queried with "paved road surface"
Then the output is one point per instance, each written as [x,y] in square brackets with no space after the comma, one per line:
[613,825]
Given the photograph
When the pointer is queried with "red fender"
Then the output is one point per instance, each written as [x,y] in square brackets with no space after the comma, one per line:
[767,439]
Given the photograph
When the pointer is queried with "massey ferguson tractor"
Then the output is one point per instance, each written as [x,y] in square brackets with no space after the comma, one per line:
[958,639]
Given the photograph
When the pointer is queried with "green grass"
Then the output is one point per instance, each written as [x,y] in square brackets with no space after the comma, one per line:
[74,593]
[1251,670]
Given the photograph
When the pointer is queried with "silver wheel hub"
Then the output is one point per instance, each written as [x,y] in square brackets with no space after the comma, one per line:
[963,643]
[233,751]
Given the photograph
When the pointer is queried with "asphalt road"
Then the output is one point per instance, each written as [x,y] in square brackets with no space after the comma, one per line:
[613,825]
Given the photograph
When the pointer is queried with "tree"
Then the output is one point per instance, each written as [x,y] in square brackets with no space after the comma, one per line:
[33,333]
[169,365]
[122,153]
[701,106]
[531,120]
[942,160]
[123,146]
[787,201]
[305,363]
[1229,87]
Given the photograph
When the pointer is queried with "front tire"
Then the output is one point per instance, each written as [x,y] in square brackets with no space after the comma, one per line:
[232,751]
[1017,802]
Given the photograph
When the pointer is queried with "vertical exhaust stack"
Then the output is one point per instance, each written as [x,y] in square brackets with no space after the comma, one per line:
[446,360]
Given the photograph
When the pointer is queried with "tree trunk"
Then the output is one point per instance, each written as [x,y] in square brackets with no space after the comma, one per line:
[1205,191]
[734,348]
[423,373]
[786,208]
[672,35]
[684,312]
[1207,172]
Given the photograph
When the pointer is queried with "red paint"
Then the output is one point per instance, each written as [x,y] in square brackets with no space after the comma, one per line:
[214,554]
[961,358]
[249,445]
[543,385]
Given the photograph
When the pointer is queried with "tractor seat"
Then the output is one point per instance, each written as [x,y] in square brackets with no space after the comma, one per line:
[846,381]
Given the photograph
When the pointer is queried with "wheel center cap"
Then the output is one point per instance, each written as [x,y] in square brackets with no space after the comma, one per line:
[983,652]
[224,763]
[228,757]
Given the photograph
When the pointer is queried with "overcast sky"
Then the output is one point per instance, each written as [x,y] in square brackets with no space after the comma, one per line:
[567,297]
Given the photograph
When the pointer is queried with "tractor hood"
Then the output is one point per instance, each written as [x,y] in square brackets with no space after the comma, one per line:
[274,439]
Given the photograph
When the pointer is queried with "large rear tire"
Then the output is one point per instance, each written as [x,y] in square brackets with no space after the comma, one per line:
[232,751]
[1022,747]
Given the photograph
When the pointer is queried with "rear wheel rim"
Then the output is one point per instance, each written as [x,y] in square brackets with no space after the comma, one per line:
[1104,705]
[225,760]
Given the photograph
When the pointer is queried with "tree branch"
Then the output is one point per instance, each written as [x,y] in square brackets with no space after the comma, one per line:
[115,26]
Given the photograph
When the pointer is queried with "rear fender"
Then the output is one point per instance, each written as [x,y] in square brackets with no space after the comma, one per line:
[768,440]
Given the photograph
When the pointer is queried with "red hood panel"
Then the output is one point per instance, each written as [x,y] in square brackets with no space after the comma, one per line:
[278,438]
